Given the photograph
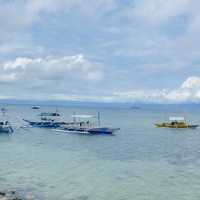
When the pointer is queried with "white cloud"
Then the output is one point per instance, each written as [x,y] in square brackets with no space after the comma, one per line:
[20,63]
[189,91]
[191,83]
[45,78]
[50,68]
[68,78]
[7,77]
[183,94]
[16,35]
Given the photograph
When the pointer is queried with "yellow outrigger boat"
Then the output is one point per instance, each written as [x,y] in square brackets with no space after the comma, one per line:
[176,122]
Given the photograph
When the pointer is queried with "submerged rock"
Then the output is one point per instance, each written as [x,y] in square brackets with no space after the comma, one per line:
[11,195]
[2,194]
[20,194]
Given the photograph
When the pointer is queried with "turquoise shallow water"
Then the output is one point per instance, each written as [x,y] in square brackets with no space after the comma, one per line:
[140,162]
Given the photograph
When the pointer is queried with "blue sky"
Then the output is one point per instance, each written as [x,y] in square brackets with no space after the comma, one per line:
[102,50]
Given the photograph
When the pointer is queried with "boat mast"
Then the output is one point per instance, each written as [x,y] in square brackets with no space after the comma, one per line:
[56,111]
[74,117]
[3,110]
[99,120]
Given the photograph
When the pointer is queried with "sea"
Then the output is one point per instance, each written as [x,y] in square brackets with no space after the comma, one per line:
[139,162]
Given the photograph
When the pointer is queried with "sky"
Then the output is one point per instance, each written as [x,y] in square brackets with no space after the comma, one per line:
[143,51]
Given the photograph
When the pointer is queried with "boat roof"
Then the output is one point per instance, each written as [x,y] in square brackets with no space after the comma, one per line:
[83,116]
[49,114]
[176,119]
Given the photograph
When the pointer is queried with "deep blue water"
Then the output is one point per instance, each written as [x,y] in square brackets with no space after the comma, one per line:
[139,162]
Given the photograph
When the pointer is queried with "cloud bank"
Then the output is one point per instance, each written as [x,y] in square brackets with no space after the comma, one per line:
[103,50]
[66,78]
[30,69]
[189,91]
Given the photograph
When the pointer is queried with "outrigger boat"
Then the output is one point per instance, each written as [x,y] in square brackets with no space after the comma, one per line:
[86,127]
[47,120]
[176,122]
[5,126]
[35,107]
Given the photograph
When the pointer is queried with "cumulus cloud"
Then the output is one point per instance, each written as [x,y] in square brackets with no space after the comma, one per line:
[20,63]
[191,83]
[189,91]
[77,78]
[51,68]
[42,78]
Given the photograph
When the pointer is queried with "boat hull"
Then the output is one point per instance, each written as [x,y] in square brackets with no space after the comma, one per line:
[6,130]
[90,131]
[77,129]
[43,124]
[181,126]
[106,131]
[35,107]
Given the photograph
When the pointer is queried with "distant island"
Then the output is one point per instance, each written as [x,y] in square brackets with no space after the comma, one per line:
[135,107]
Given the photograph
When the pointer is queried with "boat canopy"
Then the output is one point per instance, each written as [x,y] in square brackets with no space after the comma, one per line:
[52,114]
[83,116]
[176,119]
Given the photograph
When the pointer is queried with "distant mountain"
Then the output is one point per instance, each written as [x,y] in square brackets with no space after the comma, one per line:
[130,106]
[63,103]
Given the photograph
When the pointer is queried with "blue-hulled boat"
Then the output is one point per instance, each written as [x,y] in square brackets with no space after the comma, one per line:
[35,107]
[91,131]
[86,127]
[102,130]
[43,124]
[47,120]
[78,125]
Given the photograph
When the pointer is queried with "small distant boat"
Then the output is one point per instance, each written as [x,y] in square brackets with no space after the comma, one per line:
[5,127]
[176,122]
[3,110]
[35,107]
[135,107]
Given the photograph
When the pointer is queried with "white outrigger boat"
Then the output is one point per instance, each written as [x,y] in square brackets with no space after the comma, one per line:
[81,126]
[5,126]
